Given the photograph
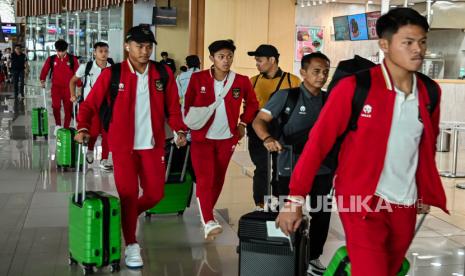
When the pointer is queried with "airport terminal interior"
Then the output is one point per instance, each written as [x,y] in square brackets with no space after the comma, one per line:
[35,193]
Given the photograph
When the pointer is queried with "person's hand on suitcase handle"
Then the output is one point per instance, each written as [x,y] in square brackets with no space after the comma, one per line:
[272,144]
[423,208]
[290,217]
[180,139]
[82,137]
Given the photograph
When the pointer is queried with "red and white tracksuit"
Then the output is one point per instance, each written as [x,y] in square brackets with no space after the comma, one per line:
[132,166]
[210,158]
[61,77]
[376,241]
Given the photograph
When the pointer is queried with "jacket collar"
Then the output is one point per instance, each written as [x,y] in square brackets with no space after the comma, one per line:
[387,76]
[132,68]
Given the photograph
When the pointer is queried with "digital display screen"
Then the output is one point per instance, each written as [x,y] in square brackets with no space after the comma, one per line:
[9,29]
[341,28]
[358,27]
[372,18]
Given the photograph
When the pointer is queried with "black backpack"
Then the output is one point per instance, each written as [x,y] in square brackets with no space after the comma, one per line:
[52,63]
[89,67]
[106,109]
[360,68]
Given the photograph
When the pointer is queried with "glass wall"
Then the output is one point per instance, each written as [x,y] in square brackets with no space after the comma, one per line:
[80,29]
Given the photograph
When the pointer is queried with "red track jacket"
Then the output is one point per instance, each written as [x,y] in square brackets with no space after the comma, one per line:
[362,154]
[201,92]
[62,73]
[122,126]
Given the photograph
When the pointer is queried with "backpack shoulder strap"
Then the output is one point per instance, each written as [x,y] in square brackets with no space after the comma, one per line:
[87,72]
[114,82]
[255,82]
[71,62]
[433,92]
[291,102]
[51,64]
[363,83]
[163,73]
[107,110]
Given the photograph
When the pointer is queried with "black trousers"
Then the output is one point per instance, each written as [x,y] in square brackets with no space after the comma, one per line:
[18,81]
[259,156]
[319,224]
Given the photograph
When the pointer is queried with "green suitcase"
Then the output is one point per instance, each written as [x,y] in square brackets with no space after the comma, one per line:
[94,228]
[340,263]
[178,186]
[66,149]
[39,122]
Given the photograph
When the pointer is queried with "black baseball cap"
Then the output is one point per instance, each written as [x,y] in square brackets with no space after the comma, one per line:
[265,50]
[140,34]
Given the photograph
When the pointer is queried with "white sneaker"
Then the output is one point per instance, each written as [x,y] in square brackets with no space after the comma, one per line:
[315,268]
[212,229]
[90,157]
[258,208]
[132,255]
[105,164]
[56,130]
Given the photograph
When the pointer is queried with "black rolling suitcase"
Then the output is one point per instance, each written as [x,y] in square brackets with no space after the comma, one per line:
[263,253]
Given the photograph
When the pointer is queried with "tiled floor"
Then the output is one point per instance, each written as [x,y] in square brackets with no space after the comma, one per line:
[34,217]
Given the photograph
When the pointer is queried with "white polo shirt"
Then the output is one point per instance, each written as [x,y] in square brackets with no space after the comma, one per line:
[219,130]
[397,182]
[143,137]
[91,78]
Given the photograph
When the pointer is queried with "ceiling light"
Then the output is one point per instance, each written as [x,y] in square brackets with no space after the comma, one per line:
[370,2]
[436,264]
[308,3]
[302,4]
[411,4]
[320,2]
[393,6]
[314,3]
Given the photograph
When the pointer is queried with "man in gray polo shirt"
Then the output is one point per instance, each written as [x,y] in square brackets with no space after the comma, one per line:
[297,109]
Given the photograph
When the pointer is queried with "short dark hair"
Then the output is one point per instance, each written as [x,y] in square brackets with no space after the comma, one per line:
[389,23]
[307,59]
[193,61]
[220,45]
[100,44]
[61,45]
[164,54]
[18,46]
[183,68]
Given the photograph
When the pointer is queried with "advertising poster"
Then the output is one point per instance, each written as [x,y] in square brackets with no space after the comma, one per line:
[308,40]
[372,17]
[358,27]
[341,28]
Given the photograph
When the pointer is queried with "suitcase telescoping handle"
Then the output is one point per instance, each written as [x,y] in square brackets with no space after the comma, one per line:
[170,161]
[420,223]
[75,107]
[45,98]
[83,150]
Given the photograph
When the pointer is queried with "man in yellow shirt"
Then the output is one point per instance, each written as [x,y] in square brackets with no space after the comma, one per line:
[270,80]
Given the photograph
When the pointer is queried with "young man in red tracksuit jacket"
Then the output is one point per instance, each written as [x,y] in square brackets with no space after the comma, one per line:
[62,74]
[387,166]
[213,145]
[136,135]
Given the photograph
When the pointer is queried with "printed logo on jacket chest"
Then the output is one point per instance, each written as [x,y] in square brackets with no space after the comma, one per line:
[203,90]
[236,92]
[366,111]
[121,86]
[159,86]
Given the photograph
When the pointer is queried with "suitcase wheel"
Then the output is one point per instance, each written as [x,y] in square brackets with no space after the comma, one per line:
[46,137]
[180,213]
[87,270]
[34,137]
[72,261]
[115,267]
[148,215]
